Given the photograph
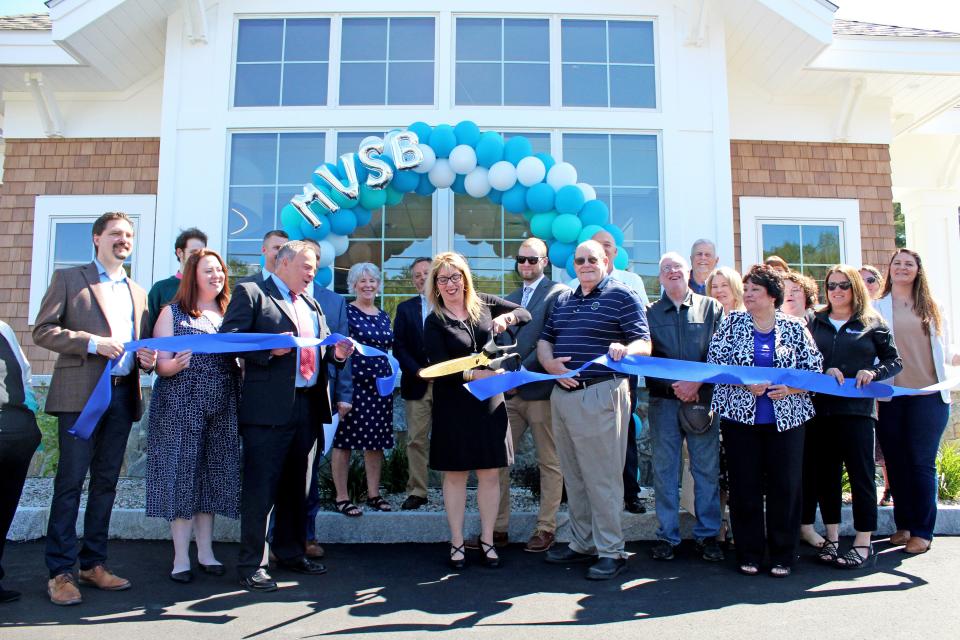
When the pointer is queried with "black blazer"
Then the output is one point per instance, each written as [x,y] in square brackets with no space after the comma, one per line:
[269,382]
[408,348]
[540,306]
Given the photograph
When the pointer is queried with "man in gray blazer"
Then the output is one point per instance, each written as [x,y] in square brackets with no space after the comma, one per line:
[529,406]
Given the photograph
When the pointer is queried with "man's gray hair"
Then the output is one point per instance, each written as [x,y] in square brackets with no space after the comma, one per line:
[697,243]
[593,245]
[676,257]
[360,269]
[292,249]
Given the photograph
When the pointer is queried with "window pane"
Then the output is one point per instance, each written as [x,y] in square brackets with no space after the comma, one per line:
[73,242]
[253,158]
[486,264]
[539,141]
[631,42]
[526,84]
[479,39]
[305,84]
[349,141]
[634,160]
[398,256]
[478,83]
[585,85]
[363,83]
[590,154]
[364,39]
[252,212]
[259,40]
[300,154]
[476,218]
[526,40]
[584,40]
[782,240]
[632,87]
[307,39]
[821,244]
[412,218]
[257,85]
[410,83]
[637,212]
[372,230]
[411,39]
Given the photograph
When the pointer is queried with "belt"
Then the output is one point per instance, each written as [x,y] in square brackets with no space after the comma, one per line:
[117,381]
[589,382]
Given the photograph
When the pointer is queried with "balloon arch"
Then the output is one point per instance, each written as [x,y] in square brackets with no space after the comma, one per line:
[422,159]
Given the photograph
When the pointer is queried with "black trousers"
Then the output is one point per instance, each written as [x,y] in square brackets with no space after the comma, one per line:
[631,487]
[274,477]
[844,440]
[761,458]
[17,444]
[102,456]
[814,444]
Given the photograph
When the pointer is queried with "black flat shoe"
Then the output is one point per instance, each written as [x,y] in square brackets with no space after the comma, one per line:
[412,503]
[853,560]
[780,571]
[259,581]
[491,562]
[606,568]
[457,563]
[213,569]
[304,565]
[183,577]
[566,555]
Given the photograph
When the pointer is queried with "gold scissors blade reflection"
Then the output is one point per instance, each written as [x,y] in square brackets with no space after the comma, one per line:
[457,365]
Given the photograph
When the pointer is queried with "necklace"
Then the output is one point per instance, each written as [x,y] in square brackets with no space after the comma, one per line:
[764,329]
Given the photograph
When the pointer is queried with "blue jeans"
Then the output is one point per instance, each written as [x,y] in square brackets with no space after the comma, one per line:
[704,450]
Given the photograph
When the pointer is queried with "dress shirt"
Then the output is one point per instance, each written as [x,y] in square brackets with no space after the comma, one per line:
[119,314]
[304,309]
[424,308]
[528,290]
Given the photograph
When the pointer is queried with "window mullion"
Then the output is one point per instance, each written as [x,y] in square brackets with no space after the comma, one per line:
[334,60]
[386,67]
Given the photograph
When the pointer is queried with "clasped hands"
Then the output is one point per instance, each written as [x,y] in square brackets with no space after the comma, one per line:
[342,350]
[111,348]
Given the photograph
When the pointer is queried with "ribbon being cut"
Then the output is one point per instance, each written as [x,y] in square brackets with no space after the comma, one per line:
[217,343]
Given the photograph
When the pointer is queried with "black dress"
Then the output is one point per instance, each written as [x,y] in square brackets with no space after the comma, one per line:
[467,433]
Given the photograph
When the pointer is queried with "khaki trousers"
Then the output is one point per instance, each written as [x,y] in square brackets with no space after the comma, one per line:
[419,414]
[535,415]
[590,427]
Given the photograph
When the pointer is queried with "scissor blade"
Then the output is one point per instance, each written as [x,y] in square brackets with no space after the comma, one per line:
[454,366]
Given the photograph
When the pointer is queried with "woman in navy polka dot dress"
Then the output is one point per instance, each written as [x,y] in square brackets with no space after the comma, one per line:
[369,424]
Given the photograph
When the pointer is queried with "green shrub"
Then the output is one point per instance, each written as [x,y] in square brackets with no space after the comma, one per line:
[396,471]
[49,451]
[948,471]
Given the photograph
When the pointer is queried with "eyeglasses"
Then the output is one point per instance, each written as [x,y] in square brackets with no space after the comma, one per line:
[844,286]
[455,279]
[870,280]
[583,261]
[529,259]
[669,268]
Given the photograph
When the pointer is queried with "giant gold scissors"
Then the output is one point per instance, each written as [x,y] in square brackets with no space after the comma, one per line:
[492,356]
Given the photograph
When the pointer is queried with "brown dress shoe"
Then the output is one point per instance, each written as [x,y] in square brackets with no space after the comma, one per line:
[101,578]
[917,545]
[540,541]
[314,550]
[63,590]
[901,537]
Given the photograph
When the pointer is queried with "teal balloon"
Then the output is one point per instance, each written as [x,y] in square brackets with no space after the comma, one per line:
[443,140]
[594,212]
[289,216]
[423,131]
[588,232]
[372,198]
[496,197]
[546,159]
[515,199]
[425,188]
[467,132]
[321,232]
[489,149]
[362,215]
[323,278]
[571,271]
[343,222]
[541,197]
[622,259]
[542,225]
[457,186]
[343,201]
[405,181]
[616,232]
[516,149]
[394,197]
[362,172]
[560,252]
[530,215]
[566,228]
[569,199]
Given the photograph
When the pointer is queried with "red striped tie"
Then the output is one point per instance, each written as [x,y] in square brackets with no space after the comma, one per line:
[308,355]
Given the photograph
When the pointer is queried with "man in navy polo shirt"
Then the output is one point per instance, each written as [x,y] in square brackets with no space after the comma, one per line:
[591,412]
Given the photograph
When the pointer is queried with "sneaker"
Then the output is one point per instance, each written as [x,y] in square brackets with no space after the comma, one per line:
[63,590]
[710,550]
[663,550]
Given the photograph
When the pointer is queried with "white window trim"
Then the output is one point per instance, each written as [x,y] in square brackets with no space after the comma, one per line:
[51,209]
[756,211]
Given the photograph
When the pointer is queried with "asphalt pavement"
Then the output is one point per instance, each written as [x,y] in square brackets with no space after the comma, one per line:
[407,591]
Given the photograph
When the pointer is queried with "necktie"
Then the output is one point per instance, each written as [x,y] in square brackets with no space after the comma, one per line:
[308,355]
[527,292]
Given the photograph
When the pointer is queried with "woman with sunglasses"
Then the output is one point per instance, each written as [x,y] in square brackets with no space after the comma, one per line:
[873,280]
[856,343]
[910,427]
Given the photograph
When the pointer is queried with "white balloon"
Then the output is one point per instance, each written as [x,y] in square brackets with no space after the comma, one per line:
[339,243]
[327,253]
[477,183]
[429,157]
[561,175]
[442,176]
[371,140]
[502,175]
[530,171]
[589,193]
[463,159]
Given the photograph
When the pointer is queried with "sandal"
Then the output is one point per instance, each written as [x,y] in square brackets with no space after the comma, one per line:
[492,562]
[781,571]
[853,560]
[378,503]
[829,552]
[749,568]
[457,563]
[347,508]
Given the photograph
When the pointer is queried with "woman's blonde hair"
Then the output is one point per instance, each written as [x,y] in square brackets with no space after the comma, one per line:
[736,284]
[861,305]
[470,298]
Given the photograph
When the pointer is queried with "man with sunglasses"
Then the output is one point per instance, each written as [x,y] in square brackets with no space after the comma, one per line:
[591,411]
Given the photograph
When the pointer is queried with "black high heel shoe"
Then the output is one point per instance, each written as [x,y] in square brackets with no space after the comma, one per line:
[488,561]
[853,560]
[455,563]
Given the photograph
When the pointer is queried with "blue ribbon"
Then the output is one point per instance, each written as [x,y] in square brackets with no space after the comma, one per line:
[710,373]
[99,400]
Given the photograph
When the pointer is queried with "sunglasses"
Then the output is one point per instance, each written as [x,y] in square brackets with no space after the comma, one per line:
[583,261]
[455,279]
[870,280]
[843,286]
[529,259]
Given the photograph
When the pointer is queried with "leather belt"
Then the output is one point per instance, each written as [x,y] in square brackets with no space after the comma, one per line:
[589,382]
[118,381]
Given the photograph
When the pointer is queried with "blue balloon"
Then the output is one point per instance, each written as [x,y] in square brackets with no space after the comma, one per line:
[560,251]
[289,216]
[315,234]
[425,188]
[405,181]
[467,132]
[594,212]
[516,149]
[569,199]
[546,159]
[515,199]
[263,261]
[540,197]
[489,149]
[530,215]
[622,259]
[343,222]
[569,267]
[294,232]
[542,225]
[323,278]
[372,198]
[362,215]
[496,197]
[616,232]
[443,140]
[362,172]
[588,231]
[457,185]
[423,131]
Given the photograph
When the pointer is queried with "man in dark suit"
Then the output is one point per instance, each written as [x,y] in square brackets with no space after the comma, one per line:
[283,402]
[417,393]
[529,406]
[272,241]
[86,315]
